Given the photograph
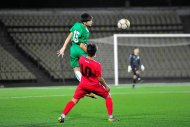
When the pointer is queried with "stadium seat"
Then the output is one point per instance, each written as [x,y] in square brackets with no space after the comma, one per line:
[12,69]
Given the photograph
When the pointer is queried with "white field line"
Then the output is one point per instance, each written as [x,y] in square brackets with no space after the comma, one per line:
[42,96]
[121,93]
[40,88]
[154,85]
[112,85]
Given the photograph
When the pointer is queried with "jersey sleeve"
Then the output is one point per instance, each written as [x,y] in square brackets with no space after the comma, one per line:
[98,71]
[130,60]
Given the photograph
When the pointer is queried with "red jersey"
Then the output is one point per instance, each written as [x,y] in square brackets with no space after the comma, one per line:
[90,70]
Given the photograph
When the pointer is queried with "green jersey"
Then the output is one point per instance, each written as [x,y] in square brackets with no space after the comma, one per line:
[80,33]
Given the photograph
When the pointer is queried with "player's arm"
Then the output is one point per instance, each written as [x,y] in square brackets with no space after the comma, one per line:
[131,60]
[103,82]
[142,66]
[100,78]
[130,63]
[62,50]
[83,47]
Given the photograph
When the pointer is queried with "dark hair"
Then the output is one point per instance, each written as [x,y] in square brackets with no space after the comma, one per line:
[91,49]
[86,17]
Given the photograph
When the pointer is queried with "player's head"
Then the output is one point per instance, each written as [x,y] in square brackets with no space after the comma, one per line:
[136,51]
[91,50]
[86,19]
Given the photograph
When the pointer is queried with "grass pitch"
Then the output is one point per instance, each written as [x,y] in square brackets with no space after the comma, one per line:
[160,105]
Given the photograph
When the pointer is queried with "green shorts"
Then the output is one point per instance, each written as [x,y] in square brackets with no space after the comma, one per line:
[75,53]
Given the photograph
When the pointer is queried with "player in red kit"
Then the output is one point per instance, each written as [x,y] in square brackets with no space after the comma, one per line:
[92,81]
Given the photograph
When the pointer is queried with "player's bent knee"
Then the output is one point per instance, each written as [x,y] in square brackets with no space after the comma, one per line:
[76,69]
[75,100]
[109,96]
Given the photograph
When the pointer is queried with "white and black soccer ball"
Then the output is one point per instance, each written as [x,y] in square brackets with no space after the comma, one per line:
[123,24]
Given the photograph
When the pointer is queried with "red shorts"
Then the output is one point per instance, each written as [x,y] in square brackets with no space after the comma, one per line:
[83,89]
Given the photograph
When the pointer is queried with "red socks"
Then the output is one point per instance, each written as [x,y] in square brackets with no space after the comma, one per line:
[68,107]
[109,105]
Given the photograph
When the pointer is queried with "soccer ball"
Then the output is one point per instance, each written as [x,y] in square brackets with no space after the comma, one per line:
[123,24]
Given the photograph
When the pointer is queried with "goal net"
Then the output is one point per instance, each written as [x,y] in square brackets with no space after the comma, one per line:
[163,55]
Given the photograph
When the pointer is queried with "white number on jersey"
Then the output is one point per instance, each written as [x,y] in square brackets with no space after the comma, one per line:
[75,36]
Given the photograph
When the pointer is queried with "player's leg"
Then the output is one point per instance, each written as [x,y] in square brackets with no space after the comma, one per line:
[74,57]
[134,81]
[78,52]
[109,107]
[67,109]
[138,75]
[101,91]
[79,93]
[77,73]
[139,80]
[134,78]
[75,65]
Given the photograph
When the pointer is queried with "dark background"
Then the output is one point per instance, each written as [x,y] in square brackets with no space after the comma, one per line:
[5,4]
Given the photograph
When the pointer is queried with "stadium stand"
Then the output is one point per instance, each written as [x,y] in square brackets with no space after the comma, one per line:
[11,69]
[141,21]
[41,33]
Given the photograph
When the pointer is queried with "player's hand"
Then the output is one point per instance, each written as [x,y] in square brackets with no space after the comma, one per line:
[107,88]
[142,67]
[61,52]
[129,68]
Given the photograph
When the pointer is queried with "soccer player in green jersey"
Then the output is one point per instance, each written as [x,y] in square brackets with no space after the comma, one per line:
[78,36]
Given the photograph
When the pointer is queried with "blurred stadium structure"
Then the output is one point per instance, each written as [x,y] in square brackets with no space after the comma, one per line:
[29,40]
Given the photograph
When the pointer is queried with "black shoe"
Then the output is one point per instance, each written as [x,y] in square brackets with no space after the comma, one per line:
[133,86]
[61,119]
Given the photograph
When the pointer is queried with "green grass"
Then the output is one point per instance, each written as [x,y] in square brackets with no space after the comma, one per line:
[160,105]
